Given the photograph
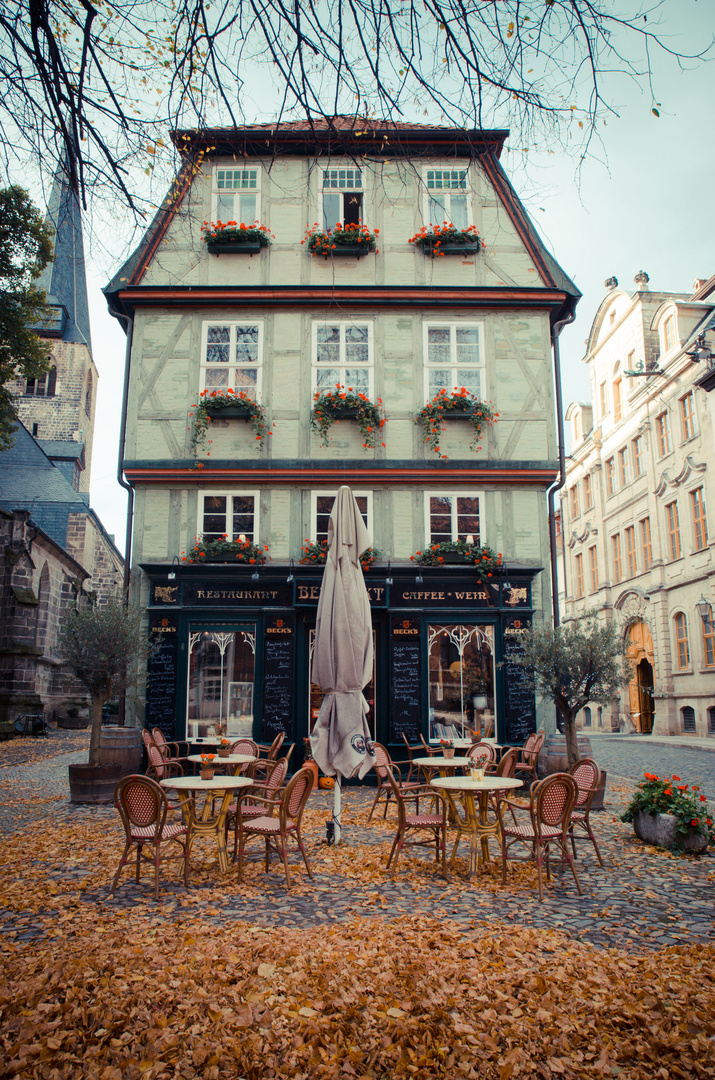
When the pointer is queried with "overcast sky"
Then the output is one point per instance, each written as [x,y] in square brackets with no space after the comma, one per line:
[650,207]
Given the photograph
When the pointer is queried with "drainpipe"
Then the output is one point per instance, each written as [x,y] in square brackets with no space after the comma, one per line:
[129,328]
[561,480]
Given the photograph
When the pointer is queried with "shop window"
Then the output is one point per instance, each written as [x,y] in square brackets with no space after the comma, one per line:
[673,525]
[682,645]
[236,195]
[687,415]
[461,680]
[231,357]
[638,459]
[343,354]
[624,469]
[617,563]
[232,515]
[321,506]
[342,197]
[452,517]
[587,493]
[593,562]
[579,576]
[700,524]
[630,538]
[611,476]
[662,428]
[221,682]
[447,197]
[454,358]
[688,715]
[646,546]
[44,386]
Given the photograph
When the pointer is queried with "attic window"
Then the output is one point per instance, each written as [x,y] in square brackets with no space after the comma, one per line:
[447,197]
[237,197]
[342,197]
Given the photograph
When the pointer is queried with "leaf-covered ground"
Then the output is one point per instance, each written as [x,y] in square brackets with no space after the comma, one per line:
[349,975]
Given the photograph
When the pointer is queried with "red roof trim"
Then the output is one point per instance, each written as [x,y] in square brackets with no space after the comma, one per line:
[381,477]
[517,217]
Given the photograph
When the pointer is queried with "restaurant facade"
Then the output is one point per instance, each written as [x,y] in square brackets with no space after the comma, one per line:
[282,325]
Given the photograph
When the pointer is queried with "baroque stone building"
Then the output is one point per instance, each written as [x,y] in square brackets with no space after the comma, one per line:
[637,543]
[281,325]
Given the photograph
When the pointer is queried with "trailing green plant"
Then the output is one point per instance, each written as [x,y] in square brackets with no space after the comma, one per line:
[459,400]
[231,232]
[224,399]
[434,236]
[656,796]
[325,241]
[244,551]
[316,553]
[485,560]
[330,405]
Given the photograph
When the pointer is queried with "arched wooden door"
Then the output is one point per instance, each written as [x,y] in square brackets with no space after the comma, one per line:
[639,651]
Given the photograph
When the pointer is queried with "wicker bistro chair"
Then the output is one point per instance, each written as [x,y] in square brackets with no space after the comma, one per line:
[550,804]
[170,749]
[143,807]
[160,767]
[411,820]
[529,756]
[427,773]
[269,789]
[271,752]
[587,775]
[245,746]
[433,751]
[480,754]
[384,767]
[276,828]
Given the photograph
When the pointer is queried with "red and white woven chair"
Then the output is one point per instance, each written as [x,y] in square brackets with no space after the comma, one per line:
[529,757]
[550,804]
[275,828]
[587,775]
[170,749]
[160,767]
[268,789]
[143,807]
[386,767]
[408,820]
[480,755]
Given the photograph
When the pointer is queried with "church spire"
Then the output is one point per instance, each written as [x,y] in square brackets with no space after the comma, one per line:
[64,279]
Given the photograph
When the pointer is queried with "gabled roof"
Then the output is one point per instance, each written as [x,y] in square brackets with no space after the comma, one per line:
[64,279]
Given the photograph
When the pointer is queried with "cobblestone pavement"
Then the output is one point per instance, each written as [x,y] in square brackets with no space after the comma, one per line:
[642,898]
[630,758]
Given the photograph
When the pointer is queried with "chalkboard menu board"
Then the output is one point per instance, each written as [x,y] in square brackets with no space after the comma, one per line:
[161,676]
[405,682]
[278,677]
[519,704]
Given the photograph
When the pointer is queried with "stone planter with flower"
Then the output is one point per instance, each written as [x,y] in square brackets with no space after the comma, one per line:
[447,747]
[226,551]
[330,406]
[445,239]
[670,814]
[353,240]
[315,554]
[234,238]
[460,404]
[485,561]
[225,405]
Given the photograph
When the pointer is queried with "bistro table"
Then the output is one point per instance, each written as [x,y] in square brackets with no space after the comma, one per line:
[476,817]
[228,759]
[210,822]
[209,740]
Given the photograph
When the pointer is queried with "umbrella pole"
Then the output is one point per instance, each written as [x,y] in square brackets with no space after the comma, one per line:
[337,799]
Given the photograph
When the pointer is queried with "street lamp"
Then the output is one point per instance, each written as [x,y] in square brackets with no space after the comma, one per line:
[705,610]
[171,576]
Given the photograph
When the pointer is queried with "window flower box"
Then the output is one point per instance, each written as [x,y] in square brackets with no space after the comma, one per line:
[230,237]
[223,550]
[315,554]
[483,559]
[445,239]
[329,406]
[225,405]
[459,405]
[351,240]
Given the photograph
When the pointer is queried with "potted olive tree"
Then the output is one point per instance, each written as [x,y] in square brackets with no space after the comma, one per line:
[97,645]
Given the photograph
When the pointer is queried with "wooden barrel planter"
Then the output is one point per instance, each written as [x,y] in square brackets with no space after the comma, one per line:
[94,783]
[121,747]
[556,756]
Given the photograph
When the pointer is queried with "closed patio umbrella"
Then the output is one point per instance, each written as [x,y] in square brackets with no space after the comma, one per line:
[343,655]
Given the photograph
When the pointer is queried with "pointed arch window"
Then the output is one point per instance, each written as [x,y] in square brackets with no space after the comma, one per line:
[44,386]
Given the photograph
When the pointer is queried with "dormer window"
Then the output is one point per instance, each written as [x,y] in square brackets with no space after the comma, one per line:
[668,334]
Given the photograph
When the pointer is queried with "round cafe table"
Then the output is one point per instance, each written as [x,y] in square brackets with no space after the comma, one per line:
[210,822]
[475,800]
[229,759]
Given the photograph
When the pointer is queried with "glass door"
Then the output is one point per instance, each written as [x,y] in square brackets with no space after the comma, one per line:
[316,694]
[221,682]
[461,680]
